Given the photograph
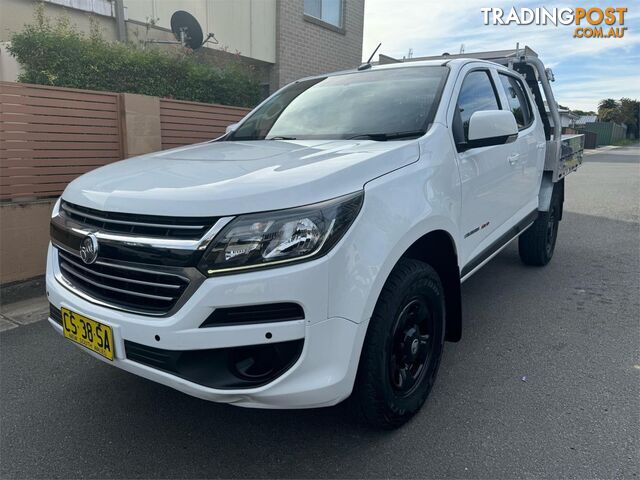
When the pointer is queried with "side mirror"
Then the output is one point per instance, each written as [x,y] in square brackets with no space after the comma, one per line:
[231,128]
[491,127]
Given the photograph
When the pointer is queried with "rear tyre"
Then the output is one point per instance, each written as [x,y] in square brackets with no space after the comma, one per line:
[537,244]
[403,347]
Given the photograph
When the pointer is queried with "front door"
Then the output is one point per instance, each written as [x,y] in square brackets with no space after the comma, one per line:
[486,173]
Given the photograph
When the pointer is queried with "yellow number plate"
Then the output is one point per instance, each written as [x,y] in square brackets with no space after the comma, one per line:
[88,333]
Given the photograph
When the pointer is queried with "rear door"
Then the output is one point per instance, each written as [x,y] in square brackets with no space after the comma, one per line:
[528,158]
[485,172]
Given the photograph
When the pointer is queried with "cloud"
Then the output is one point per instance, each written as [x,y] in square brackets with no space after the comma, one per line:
[586,69]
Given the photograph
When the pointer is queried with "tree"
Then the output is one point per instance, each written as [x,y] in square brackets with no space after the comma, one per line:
[609,110]
[629,111]
[583,112]
[626,111]
[608,103]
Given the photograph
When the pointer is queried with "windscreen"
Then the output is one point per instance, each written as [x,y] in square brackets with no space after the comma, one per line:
[396,103]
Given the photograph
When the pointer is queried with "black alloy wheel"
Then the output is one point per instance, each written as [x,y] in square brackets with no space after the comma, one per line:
[411,345]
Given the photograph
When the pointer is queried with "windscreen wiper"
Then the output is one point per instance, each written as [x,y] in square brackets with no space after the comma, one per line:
[381,137]
[281,138]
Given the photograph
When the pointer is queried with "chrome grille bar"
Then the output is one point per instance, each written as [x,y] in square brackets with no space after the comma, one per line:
[67,208]
[130,280]
[126,287]
[178,229]
[136,234]
[68,269]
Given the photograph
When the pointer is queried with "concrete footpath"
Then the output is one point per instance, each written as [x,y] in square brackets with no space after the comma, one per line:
[22,304]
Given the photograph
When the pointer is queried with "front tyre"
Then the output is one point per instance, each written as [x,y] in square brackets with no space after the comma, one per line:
[402,348]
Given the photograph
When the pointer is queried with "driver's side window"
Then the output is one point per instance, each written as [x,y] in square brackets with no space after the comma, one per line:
[477,93]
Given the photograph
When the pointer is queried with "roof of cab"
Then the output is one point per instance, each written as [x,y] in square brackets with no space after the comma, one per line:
[454,63]
[450,60]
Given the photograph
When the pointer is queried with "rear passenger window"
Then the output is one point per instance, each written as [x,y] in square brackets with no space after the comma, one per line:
[518,101]
[477,93]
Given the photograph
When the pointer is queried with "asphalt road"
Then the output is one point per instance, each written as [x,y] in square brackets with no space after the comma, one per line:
[545,383]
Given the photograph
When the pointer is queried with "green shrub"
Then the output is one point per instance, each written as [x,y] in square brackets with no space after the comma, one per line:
[60,55]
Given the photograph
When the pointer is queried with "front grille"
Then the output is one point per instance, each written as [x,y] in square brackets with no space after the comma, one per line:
[130,288]
[186,228]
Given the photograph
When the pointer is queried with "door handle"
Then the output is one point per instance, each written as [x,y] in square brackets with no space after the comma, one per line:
[513,158]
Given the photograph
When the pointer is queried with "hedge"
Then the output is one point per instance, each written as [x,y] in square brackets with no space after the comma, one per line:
[59,55]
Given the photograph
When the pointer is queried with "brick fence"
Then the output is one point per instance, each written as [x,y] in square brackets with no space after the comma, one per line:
[51,135]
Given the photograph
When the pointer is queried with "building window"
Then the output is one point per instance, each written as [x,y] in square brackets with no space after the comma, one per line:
[329,11]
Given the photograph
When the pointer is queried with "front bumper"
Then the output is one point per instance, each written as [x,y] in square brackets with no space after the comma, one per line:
[322,375]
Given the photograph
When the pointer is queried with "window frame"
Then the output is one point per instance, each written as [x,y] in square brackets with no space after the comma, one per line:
[526,96]
[462,145]
[323,23]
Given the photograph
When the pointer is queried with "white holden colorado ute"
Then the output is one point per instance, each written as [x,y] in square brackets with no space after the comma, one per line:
[315,252]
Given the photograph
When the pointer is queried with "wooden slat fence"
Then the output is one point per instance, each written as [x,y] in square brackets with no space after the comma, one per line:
[51,135]
[184,123]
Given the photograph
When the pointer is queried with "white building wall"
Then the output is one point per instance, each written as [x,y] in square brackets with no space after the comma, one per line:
[9,66]
[14,14]
[247,27]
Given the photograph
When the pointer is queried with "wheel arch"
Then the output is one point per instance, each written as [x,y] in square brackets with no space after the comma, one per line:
[438,249]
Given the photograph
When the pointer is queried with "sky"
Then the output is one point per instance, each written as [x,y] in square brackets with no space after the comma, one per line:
[586,69]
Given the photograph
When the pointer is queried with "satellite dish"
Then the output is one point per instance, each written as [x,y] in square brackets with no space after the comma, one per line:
[187,30]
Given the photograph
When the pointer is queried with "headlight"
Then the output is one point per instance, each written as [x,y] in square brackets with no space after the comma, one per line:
[282,236]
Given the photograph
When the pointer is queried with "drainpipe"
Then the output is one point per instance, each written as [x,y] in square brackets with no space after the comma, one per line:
[121,28]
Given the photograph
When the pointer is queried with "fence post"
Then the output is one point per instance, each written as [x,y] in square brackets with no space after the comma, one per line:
[140,124]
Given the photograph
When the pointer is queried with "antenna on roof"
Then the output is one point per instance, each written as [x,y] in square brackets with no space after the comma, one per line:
[367,65]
